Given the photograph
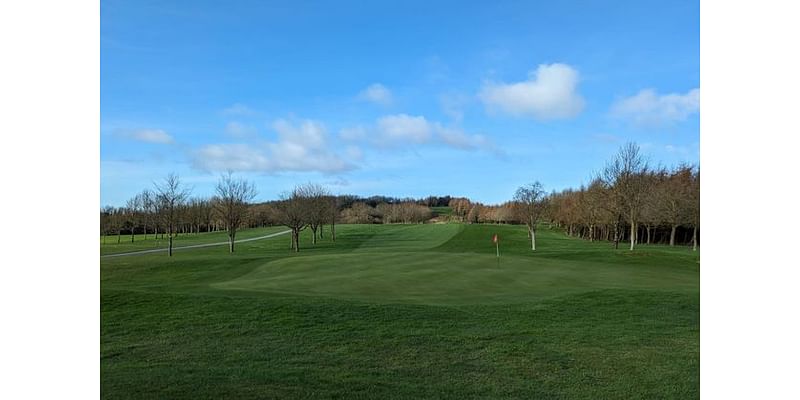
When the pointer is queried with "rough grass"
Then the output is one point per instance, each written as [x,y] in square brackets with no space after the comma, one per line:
[403,311]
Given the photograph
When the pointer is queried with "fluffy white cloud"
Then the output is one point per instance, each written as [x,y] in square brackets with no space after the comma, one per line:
[376,93]
[300,147]
[404,128]
[549,93]
[151,136]
[457,138]
[649,108]
[235,157]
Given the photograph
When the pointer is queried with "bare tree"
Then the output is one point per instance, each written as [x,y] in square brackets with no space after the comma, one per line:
[626,174]
[234,197]
[147,207]
[333,210]
[530,205]
[206,212]
[106,225]
[292,212]
[171,197]
[133,207]
[672,199]
[317,207]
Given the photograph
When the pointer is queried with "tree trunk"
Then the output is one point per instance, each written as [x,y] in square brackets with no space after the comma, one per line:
[333,230]
[591,233]
[231,237]
[616,236]
[119,237]
[672,235]
[297,241]
[648,234]
[145,231]
[170,244]
[694,239]
[633,235]
[533,240]
[314,234]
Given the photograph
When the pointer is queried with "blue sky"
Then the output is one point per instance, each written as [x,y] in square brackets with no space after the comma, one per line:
[395,98]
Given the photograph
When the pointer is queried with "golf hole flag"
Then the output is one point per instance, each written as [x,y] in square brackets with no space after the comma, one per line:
[496,242]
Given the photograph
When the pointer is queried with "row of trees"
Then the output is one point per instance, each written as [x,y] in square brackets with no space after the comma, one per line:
[631,199]
[404,213]
[628,198]
[168,210]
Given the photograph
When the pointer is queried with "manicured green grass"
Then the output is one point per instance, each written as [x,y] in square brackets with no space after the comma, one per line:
[443,210]
[109,244]
[403,311]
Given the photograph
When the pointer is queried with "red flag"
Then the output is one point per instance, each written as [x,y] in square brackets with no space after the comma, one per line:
[494,238]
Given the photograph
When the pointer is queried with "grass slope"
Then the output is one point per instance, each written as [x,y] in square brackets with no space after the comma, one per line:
[403,311]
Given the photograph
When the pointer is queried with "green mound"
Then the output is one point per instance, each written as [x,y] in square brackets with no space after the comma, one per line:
[447,278]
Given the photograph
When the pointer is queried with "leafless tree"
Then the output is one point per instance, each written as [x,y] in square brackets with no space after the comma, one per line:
[317,207]
[206,212]
[472,216]
[292,211]
[672,199]
[333,211]
[146,202]
[106,225]
[171,196]
[626,174]
[530,205]
[234,197]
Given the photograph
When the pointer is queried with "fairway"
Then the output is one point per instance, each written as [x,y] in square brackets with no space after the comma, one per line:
[403,311]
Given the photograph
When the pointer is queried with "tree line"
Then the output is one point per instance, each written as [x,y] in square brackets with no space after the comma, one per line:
[628,200]
[632,201]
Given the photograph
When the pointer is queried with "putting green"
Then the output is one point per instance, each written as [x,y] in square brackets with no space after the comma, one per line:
[448,278]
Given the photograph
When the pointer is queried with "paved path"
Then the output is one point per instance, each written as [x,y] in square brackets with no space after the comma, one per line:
[136,253]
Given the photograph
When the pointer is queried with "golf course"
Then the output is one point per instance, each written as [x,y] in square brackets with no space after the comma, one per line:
[399,311]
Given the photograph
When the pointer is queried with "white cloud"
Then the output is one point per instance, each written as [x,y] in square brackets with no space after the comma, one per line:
[404,128]
[300,147]
[648,108]
[459,139]
[239,130]
[549,93]
[235,157]
[376,93]
[151,136]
